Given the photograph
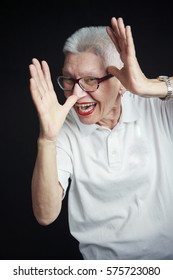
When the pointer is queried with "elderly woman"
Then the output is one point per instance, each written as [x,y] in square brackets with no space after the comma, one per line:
[110,143]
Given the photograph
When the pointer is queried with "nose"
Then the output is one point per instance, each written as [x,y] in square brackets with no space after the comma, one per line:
[78,91]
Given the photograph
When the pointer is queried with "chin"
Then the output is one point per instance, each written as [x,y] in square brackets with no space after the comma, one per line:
[87,118]
[91,119]
[87,121]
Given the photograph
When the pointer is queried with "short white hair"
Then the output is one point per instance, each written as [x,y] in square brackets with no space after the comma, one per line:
[94,39]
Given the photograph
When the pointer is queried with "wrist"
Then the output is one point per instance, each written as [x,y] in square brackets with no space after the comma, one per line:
[168,85]
[45,142]
[155,88]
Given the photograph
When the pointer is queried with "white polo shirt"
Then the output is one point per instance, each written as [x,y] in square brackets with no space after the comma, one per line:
[120,200]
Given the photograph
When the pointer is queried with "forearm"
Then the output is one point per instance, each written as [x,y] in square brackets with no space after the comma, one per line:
[155,88]
[46,190]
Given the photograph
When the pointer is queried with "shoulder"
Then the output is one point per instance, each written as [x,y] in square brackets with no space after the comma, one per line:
[152,110]
[148,102]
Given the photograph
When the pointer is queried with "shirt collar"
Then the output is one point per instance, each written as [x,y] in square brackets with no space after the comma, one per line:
[129,114]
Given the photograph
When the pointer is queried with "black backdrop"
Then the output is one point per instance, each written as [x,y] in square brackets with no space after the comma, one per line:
[35,29]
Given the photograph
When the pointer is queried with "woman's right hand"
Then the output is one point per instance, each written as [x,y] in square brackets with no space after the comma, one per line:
[51,113]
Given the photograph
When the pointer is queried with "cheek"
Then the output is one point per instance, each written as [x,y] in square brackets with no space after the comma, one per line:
[106,99]
[102,105]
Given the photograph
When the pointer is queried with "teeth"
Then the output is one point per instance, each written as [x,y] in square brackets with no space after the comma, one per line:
[85,105]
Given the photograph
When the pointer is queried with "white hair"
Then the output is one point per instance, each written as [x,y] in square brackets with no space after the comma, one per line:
[95,40]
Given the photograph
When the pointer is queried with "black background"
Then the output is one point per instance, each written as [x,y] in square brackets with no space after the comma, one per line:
[38,29]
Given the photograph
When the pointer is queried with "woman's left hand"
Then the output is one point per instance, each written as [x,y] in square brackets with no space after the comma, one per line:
[130,75]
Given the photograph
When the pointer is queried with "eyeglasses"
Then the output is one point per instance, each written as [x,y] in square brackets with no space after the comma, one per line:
[88,84]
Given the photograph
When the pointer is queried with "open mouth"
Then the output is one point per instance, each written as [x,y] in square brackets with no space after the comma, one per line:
[85,109]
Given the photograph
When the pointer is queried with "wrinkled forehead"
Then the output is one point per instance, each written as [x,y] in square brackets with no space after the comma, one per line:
[83,63]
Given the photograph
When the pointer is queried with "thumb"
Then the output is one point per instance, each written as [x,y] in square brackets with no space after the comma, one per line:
[71,100]
[114,71]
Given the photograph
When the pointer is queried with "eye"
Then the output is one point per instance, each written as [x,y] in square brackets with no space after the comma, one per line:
[90,80]
[68,81]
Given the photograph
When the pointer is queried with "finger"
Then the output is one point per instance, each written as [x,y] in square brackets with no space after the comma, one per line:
[70,101]
[120,32]
[115,27]
[117,33]
[130,41]
[113,38]
[121,28]
[47,75]
[39,77]
[114,71]
[34,76]
[35,94]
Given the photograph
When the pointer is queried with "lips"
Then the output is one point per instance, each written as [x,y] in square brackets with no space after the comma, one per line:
[86,108]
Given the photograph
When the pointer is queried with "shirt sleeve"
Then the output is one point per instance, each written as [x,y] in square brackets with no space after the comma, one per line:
[167,116]
[159,111]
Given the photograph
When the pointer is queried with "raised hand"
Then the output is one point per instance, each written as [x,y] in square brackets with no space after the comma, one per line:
[131,75]
[51,113]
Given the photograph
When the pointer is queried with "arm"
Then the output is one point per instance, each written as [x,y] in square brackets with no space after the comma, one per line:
[46,189]
[131,75]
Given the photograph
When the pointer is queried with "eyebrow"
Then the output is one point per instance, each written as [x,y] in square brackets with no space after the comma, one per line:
[86,74]
[91,72]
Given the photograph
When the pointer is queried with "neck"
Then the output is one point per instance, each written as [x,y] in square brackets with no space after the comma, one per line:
[112,118]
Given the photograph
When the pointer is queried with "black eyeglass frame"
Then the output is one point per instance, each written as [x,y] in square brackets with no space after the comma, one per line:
[104,78]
